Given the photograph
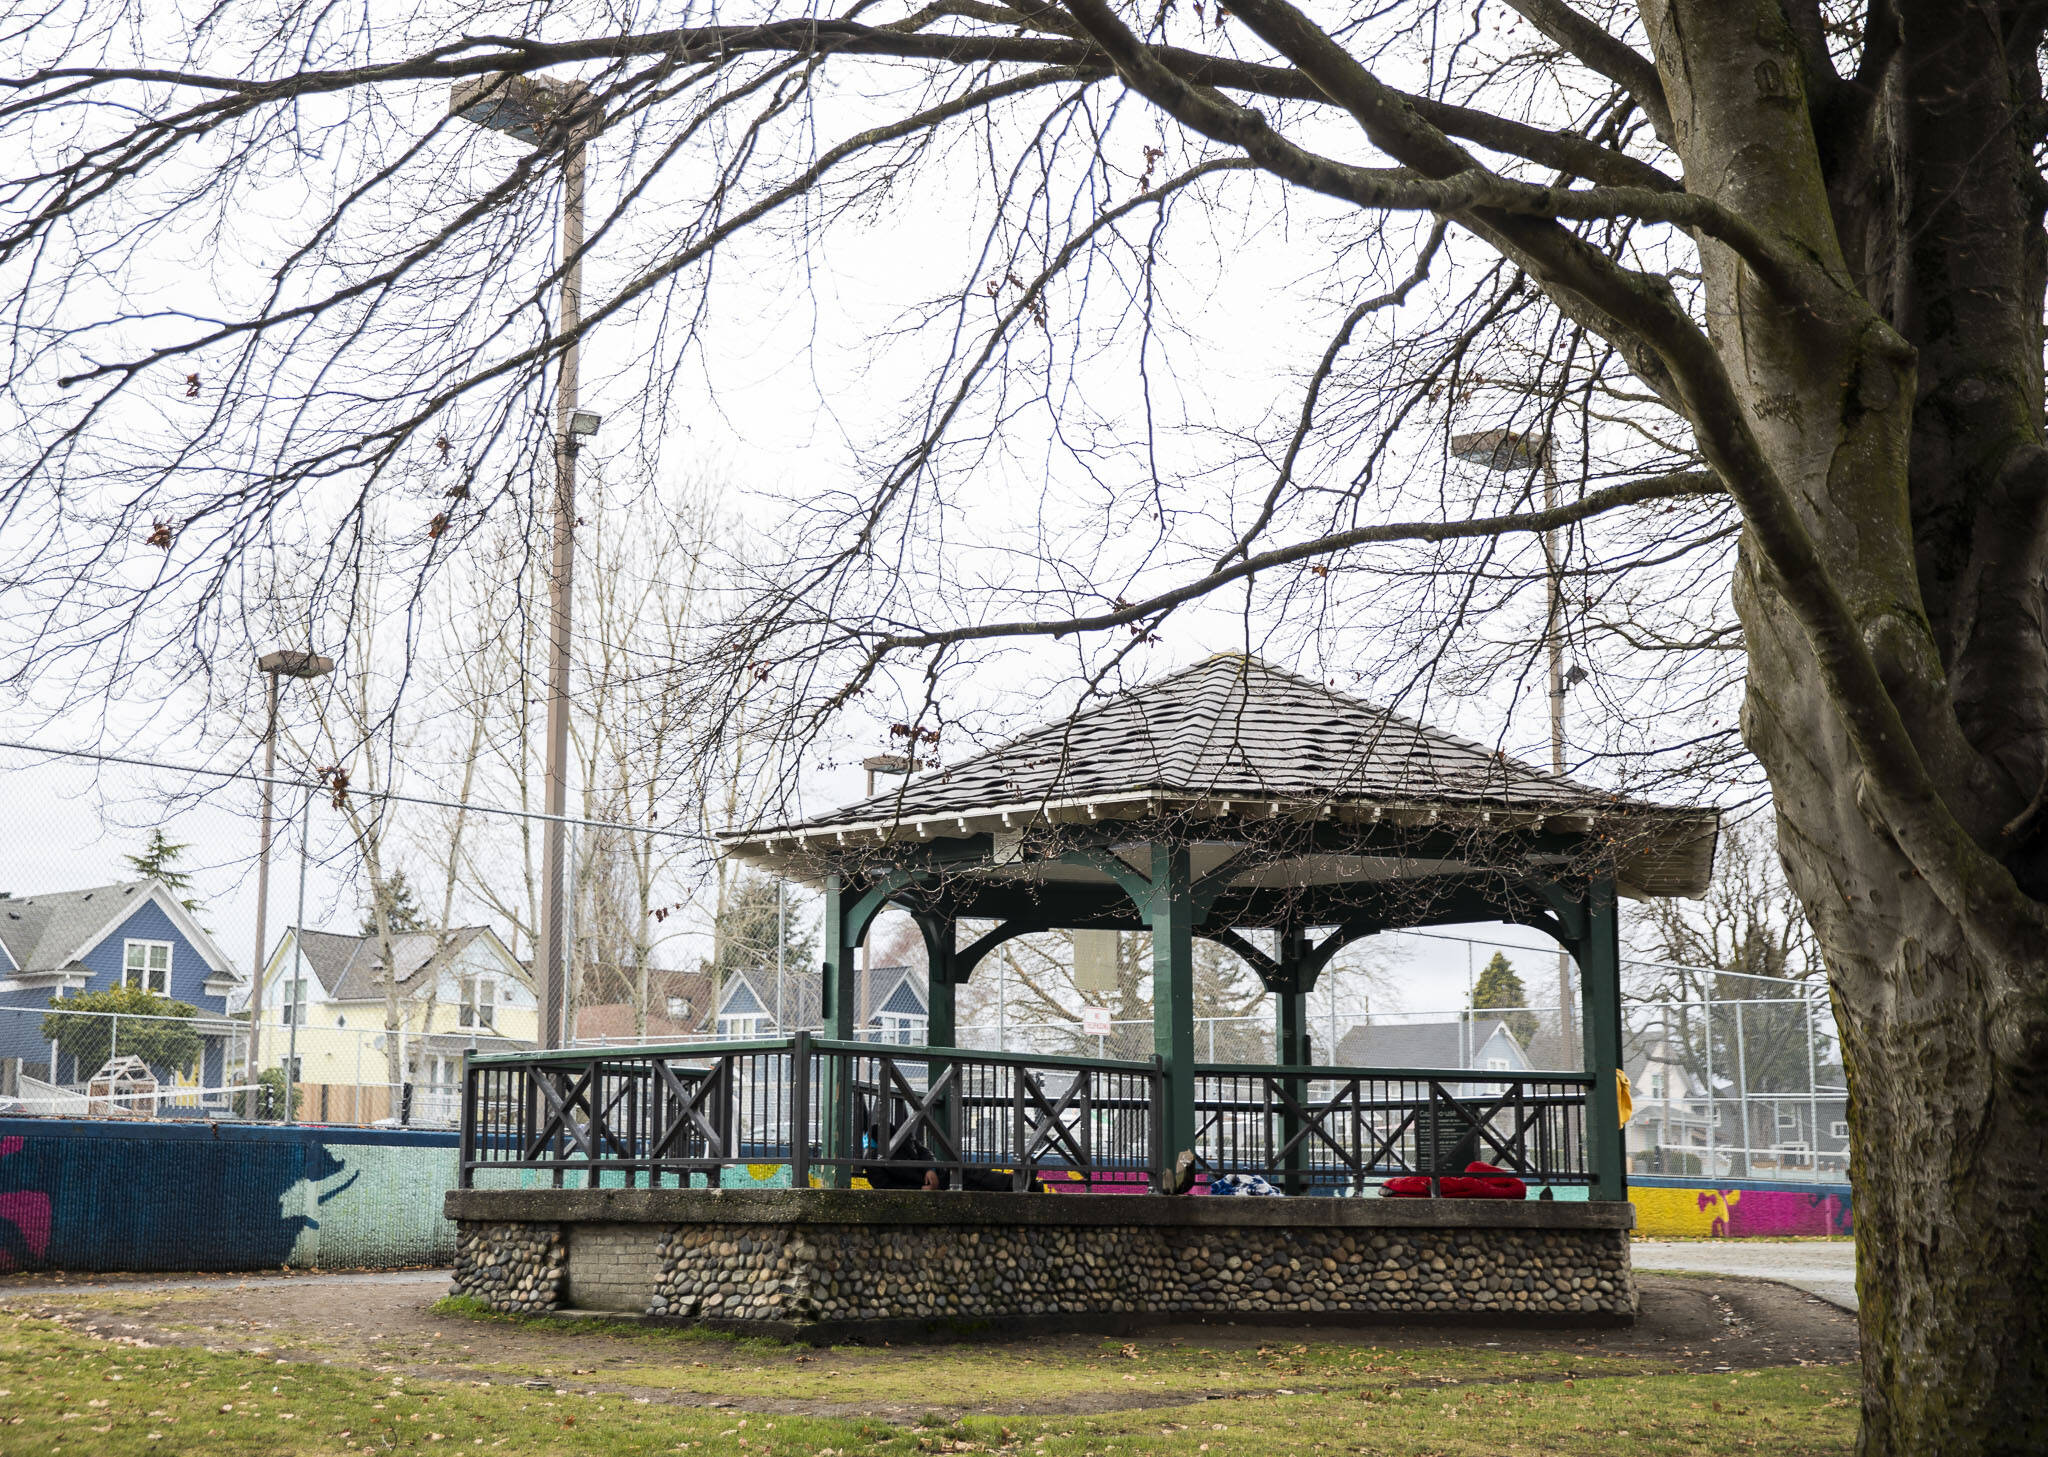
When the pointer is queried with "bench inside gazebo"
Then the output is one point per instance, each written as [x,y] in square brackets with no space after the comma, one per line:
[1235,802]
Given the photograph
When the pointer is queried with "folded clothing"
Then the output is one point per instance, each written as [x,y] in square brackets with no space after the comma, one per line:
[1479,1181]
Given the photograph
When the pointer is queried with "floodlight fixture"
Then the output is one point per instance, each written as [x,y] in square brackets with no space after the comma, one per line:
[584,423]
[291,663]
[1502,450]
[519,106]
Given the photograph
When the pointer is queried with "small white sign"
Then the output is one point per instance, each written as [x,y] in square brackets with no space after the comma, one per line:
[1095,1021]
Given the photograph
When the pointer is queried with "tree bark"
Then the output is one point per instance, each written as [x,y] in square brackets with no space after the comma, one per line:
[1913,184]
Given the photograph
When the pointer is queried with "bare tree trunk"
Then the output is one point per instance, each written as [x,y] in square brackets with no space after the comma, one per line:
[1892,454]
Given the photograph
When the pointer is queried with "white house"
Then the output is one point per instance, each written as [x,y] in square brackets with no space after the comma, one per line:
[458,990]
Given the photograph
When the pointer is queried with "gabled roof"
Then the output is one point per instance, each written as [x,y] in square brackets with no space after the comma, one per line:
[45,933]
[904,999]
[1454,1044]
[1236,733]
[349,969]
[740,999]
[616,1019]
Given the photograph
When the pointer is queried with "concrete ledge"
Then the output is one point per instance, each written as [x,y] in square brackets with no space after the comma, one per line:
[1014,1327]
[915,1207]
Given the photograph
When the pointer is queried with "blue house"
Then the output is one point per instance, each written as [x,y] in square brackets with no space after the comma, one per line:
[58,945]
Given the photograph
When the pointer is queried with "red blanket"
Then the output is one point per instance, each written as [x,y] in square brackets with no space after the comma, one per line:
[1479,1181]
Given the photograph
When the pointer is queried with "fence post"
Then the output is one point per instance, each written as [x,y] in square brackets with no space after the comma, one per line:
[1155,1097]
[1812,1095]
[466,1139]
[1742,1077]
[800,1111]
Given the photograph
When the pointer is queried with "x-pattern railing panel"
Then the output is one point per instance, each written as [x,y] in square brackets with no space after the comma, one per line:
[686,1111]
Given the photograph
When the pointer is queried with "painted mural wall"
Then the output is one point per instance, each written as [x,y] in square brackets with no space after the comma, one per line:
[1703,1209]
[78,1195]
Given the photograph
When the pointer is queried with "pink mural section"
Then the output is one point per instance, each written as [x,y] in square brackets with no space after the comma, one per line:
[28,1212]
[1739,1213]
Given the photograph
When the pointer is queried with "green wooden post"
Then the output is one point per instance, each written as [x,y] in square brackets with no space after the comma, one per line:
[840,961]
[939,972]
[1170,915]
[942,1028]
[1290,1046]
[1599,959]
[835,1104]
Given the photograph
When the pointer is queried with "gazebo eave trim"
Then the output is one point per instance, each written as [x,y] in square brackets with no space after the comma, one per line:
[776,843]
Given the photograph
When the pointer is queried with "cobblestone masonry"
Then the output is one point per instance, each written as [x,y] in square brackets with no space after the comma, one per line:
[803,1272]
[510,1265]
[783,1273]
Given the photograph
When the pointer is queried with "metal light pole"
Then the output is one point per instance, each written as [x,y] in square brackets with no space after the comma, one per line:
[525,107]
[298,998]
[1511,450]
[286,664]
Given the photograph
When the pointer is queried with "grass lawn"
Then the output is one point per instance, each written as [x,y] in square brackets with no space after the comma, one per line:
[970,1375]
[69,1392]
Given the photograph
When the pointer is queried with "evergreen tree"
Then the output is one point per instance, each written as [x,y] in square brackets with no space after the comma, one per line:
[159,862]
[746,933]
[1500,988]
[400,905]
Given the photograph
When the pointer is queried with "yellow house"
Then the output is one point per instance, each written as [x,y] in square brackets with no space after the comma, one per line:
[325,1004]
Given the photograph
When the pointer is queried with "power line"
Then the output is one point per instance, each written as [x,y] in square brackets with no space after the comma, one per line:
[316,787]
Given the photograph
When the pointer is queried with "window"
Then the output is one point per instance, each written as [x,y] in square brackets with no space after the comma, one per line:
[678,1009]
[904,1030]
[1838,1129]
[739,1029]
[1656,1085]
[1496,1064]
[295,1001]
[479,1002]
[147,964]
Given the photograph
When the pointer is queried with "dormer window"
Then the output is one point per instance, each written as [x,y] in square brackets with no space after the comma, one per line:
[678,1009]
[146,964]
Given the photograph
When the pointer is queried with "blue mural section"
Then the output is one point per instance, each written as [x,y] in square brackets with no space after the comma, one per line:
[78,1195]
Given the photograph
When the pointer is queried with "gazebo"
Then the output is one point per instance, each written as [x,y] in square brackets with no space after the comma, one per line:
[1233,801]
[1229,797]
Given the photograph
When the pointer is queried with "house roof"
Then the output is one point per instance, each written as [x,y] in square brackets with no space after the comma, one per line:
[1419,1044]
[616,1019]
[1253,739]
[349,969]
[47,932]
[904,999]
[740,999]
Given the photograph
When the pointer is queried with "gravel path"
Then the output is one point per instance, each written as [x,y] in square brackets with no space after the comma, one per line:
[1826,1268]
[45,1287]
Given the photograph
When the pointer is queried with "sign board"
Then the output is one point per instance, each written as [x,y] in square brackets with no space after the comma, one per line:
[1094,961]
[1095,1021]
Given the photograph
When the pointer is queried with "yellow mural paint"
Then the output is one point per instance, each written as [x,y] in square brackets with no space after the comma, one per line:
[1682,1213]
[762,1173]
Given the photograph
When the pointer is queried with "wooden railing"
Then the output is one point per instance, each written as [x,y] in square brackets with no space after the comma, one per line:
[831,1111]
[909,1116]
[1329,1130]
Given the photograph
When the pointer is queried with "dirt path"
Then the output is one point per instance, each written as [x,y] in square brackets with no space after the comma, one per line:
[386,1324]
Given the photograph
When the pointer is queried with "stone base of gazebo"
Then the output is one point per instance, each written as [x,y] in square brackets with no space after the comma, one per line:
[834,1265]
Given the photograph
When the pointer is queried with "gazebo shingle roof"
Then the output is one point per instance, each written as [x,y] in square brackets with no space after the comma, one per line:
[1234,729]
[1231,726]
